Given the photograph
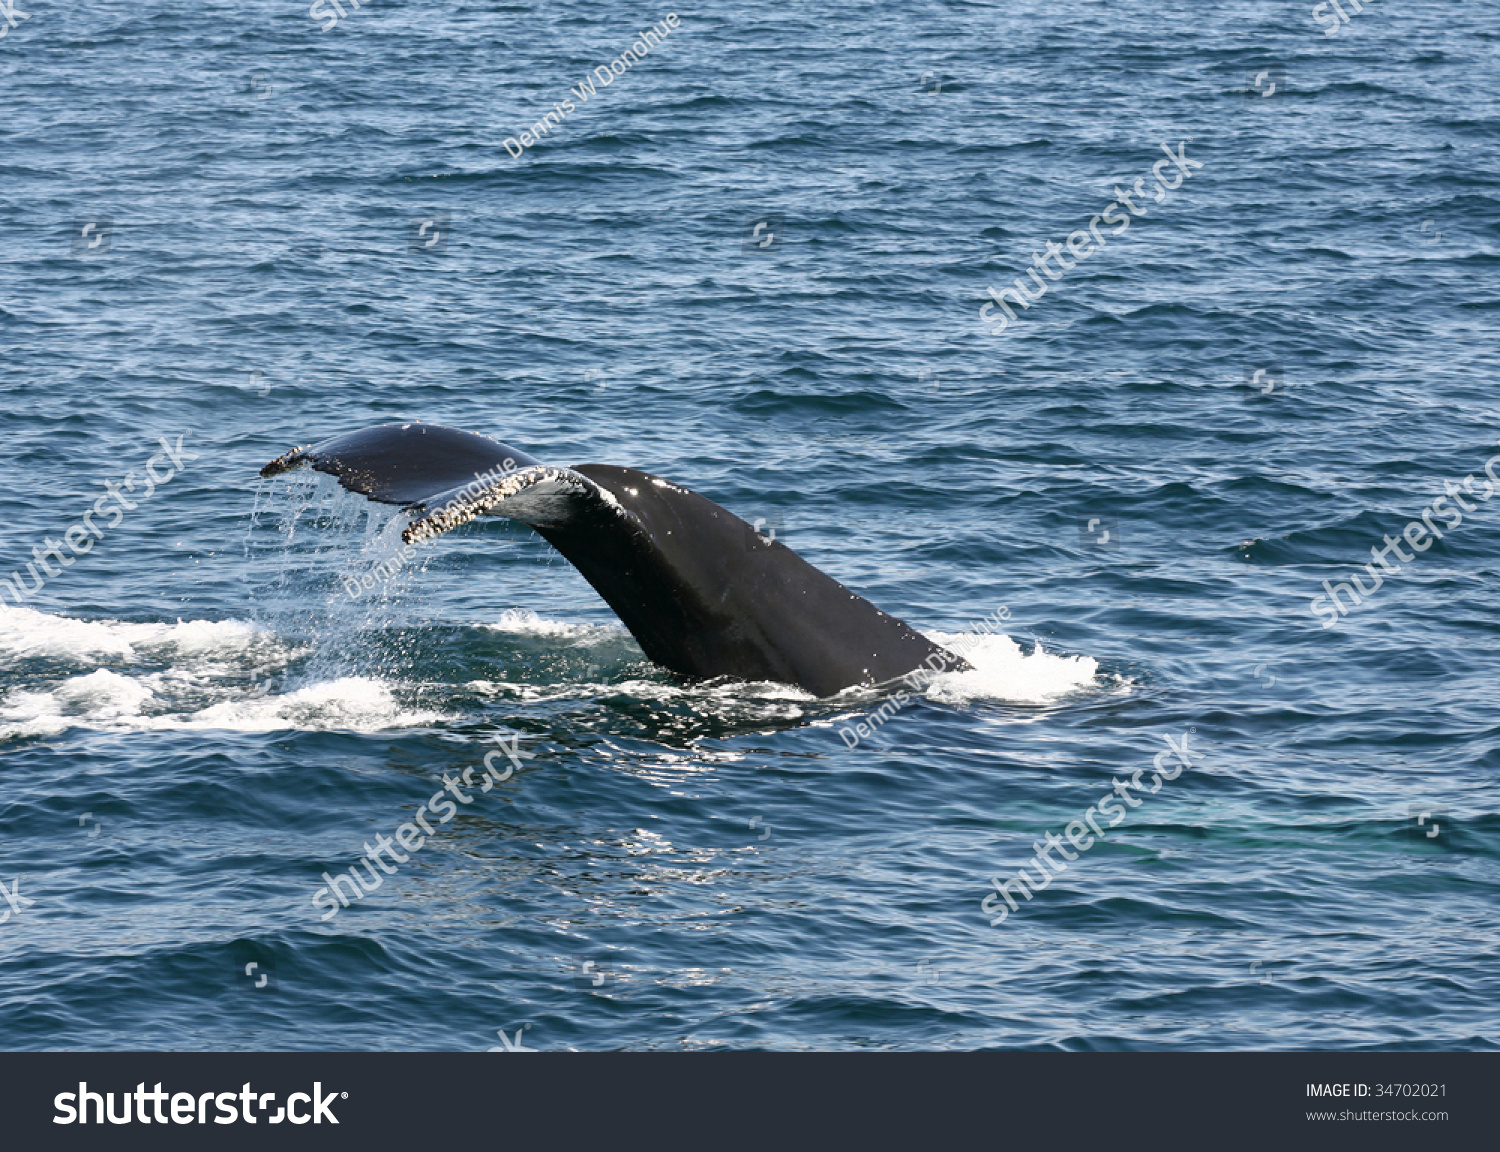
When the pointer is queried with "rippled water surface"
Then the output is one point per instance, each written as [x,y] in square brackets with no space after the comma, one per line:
[222,223]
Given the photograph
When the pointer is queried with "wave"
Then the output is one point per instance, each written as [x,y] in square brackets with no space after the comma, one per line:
[196,674]
[112,702]
[28,633]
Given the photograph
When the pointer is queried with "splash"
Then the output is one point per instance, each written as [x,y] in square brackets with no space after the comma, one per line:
[524,622]
[1003,671]
[193,674]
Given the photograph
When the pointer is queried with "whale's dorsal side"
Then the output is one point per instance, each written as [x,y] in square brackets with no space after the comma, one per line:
[700,590]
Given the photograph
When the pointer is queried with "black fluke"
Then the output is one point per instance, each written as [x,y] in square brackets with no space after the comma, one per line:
[701,591]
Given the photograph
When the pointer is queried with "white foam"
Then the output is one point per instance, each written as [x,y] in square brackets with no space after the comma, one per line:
[100,698]
[108,701]
[103,693]
[523,622]
[25,632]
[205,683]
[1002,671]
[351,704]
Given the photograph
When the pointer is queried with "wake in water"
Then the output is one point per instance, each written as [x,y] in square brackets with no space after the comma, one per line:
[1001,670]
[349,657]
[232,675]
[192,674]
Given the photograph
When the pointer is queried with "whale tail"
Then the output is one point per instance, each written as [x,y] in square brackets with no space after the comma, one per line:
[701,591]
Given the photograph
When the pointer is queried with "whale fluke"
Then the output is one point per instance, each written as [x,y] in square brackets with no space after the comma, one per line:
[701,591]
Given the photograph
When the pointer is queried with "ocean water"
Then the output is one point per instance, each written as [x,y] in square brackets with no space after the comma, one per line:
[754,264]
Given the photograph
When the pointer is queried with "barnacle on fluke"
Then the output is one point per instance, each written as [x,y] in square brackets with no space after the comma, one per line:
[701,591]
[286,462]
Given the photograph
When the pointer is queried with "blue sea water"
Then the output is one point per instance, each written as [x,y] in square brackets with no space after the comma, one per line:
[1153,469]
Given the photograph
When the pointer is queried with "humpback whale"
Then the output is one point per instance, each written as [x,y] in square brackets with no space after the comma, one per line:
[702,592]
